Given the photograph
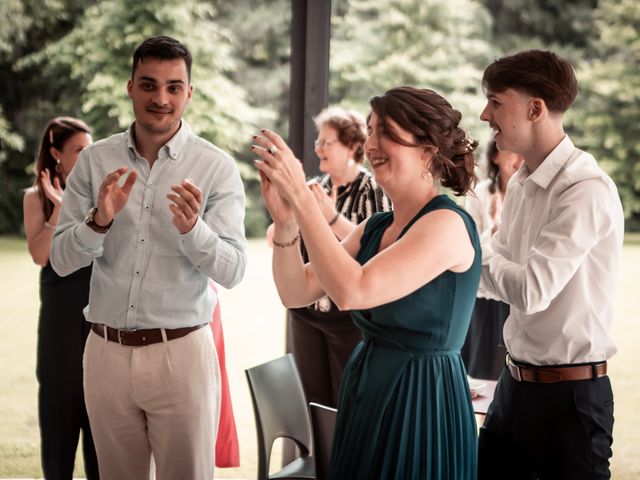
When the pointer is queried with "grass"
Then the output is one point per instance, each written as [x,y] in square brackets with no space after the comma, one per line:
[254,333]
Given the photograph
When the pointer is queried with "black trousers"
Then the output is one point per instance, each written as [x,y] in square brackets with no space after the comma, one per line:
[483,351]
[322,344]
[550,431]
[62,332]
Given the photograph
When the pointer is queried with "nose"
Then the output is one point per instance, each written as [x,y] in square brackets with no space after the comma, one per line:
[371,143]
[160,97]
[484,116]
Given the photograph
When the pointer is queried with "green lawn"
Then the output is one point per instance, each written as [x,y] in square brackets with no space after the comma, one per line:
[254,334]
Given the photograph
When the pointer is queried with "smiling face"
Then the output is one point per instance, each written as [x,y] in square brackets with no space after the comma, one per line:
[160,91]
[508,115]
[68,156]
[332,153]
[389,160]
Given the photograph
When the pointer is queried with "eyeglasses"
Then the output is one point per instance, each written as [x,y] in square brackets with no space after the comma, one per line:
[324,143]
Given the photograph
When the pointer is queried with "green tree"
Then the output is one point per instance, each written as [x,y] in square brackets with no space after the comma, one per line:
[609,122]
[26,98]
[438,44]
[550,24]
[92,63]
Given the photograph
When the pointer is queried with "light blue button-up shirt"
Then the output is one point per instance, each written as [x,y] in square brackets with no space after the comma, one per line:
[145,273]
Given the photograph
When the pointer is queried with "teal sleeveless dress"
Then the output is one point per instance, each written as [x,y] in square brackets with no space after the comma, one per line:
[405,410]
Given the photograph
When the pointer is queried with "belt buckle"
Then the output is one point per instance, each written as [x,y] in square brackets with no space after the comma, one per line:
[120,338]
[511,363]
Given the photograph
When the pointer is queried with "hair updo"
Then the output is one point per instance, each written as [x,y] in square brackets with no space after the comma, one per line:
[433,122]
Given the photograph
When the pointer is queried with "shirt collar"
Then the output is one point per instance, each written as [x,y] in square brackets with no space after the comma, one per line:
[173,146]
[549,167]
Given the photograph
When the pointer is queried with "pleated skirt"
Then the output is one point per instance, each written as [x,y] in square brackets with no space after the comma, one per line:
[404,415]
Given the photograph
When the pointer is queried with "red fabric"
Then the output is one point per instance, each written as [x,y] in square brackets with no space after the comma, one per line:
[227,448]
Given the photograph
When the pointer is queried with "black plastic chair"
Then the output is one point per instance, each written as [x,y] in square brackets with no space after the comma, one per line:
[280,409]
[323,422]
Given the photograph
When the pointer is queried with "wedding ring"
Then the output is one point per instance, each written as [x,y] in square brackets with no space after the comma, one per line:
[272,150]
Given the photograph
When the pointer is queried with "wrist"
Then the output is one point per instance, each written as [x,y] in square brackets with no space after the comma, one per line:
[283,230]
[90,221]
[101,220]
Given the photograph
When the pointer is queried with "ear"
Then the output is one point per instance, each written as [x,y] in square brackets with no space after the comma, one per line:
[428,151]
[190,93]
[130,88]
[537,109]
[55,153]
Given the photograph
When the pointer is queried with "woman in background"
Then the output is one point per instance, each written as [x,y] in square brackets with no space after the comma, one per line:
[484,351]
[321,336]
[62,329]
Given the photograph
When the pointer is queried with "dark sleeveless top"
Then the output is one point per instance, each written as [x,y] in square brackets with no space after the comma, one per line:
[405,411]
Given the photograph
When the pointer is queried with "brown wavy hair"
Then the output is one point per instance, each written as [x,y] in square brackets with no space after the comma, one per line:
[433,122]
[350,126]
[56,134]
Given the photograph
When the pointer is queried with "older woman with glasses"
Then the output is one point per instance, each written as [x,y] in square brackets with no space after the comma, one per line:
[320,336]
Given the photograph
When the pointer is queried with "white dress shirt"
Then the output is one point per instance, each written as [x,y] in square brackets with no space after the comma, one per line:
[479,207]
[145,273]
[555,260]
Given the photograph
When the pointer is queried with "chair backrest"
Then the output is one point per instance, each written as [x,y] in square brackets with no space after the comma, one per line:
[323,421]
[280,408]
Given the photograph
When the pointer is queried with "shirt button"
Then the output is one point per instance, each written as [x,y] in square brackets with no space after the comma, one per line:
[137,272]
[142,240]
[132,306]
[147,207]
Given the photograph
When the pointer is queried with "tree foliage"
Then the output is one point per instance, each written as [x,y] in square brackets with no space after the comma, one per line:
[72,57]
[437,44]
[609,122]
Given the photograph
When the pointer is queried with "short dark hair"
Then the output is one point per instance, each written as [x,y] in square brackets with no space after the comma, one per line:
[162,48]
[432,121]
[542,74]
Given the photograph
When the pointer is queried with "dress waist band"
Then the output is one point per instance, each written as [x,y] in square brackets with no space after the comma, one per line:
[383,343]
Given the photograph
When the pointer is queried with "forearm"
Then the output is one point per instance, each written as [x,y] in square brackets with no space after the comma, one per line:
[342,227]
[222,258]
[336,272]
[40,244]
[295,286]
[74,247]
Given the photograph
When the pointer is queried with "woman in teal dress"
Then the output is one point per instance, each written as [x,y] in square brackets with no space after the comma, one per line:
[409,278]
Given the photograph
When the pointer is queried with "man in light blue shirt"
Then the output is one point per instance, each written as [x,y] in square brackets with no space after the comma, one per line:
[159,212]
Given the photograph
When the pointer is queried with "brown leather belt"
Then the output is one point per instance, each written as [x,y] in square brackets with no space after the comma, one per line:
[138,338]
[553,374]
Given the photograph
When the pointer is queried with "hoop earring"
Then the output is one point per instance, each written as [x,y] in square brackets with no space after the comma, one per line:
[58,166]
[350,162]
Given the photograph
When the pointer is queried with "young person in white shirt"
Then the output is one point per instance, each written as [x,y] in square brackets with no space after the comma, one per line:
[555,261]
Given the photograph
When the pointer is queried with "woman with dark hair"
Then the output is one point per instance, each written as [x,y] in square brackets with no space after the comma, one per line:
[409,278]
[322,337]
[62,329]
[483,351]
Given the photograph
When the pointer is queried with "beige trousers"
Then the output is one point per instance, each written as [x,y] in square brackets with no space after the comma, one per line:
[161,399]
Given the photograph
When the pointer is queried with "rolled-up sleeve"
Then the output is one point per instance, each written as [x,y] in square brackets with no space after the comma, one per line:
[216,245]
[74,245]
